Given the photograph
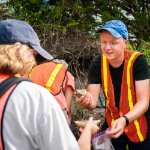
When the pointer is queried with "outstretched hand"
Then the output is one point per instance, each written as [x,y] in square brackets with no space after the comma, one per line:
[83,97]
[90,125]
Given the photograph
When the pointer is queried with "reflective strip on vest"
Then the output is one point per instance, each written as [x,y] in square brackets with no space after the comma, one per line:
[53,76]
[130,96]
[106,84]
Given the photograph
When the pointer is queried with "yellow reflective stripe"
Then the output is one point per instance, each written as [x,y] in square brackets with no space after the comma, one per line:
[105,76]
[138,131]
[112,121]
[136,123]
[53,76]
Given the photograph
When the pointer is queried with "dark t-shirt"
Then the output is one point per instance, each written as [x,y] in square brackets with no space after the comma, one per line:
[140,72]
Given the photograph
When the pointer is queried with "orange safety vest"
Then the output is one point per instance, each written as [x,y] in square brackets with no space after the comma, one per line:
[137,130]
[49,75]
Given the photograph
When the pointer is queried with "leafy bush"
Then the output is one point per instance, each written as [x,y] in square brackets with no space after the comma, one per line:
[143,47]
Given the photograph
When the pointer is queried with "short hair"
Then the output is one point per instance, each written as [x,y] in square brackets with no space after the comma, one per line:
[16,59]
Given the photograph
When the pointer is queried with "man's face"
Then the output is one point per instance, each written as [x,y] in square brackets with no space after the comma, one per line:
[112,47]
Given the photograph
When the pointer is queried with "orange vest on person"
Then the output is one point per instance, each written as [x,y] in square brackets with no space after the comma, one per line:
[49,75]
[137,130]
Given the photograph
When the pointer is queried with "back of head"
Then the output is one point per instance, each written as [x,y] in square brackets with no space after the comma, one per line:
[12,31]
[16,59]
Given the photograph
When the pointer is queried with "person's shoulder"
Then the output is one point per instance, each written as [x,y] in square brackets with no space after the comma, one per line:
[33,90]
[30,85]
[141,68]
[28,93]
[69,74]
[141,60]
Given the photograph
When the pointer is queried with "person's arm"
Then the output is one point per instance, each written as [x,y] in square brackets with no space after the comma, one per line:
[142,94]
[69,88]
[68,96]
[85,138]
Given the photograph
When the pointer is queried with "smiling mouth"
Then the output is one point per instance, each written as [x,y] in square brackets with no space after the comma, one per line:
[109,52]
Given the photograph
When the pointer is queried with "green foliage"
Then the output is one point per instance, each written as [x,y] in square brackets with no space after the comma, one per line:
[77,110]
[33,11]
[79,15]
[34,1]
[143,48]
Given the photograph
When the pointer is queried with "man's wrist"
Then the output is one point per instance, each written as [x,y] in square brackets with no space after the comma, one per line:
[127,120]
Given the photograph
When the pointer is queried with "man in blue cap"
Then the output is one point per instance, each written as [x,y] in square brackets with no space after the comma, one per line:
[124,77]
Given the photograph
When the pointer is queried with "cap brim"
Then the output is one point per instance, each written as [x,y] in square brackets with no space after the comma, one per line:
[42,52]
[112,31]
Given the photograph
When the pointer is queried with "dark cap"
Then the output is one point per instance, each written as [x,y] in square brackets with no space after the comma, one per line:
[12,31]
[116,27]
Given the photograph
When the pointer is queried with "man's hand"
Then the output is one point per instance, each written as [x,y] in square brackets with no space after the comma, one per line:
[83,97]
[117,128]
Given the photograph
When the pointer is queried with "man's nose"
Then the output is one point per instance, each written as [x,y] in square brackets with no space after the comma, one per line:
[108,45]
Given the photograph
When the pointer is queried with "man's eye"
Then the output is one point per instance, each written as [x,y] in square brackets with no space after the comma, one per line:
[103,42]
[114,43]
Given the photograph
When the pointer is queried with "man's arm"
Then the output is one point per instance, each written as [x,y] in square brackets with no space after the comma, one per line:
[141,106]
[142,94]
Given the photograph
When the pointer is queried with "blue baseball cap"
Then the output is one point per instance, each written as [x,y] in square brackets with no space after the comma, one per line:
[116,27]
[12,31]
